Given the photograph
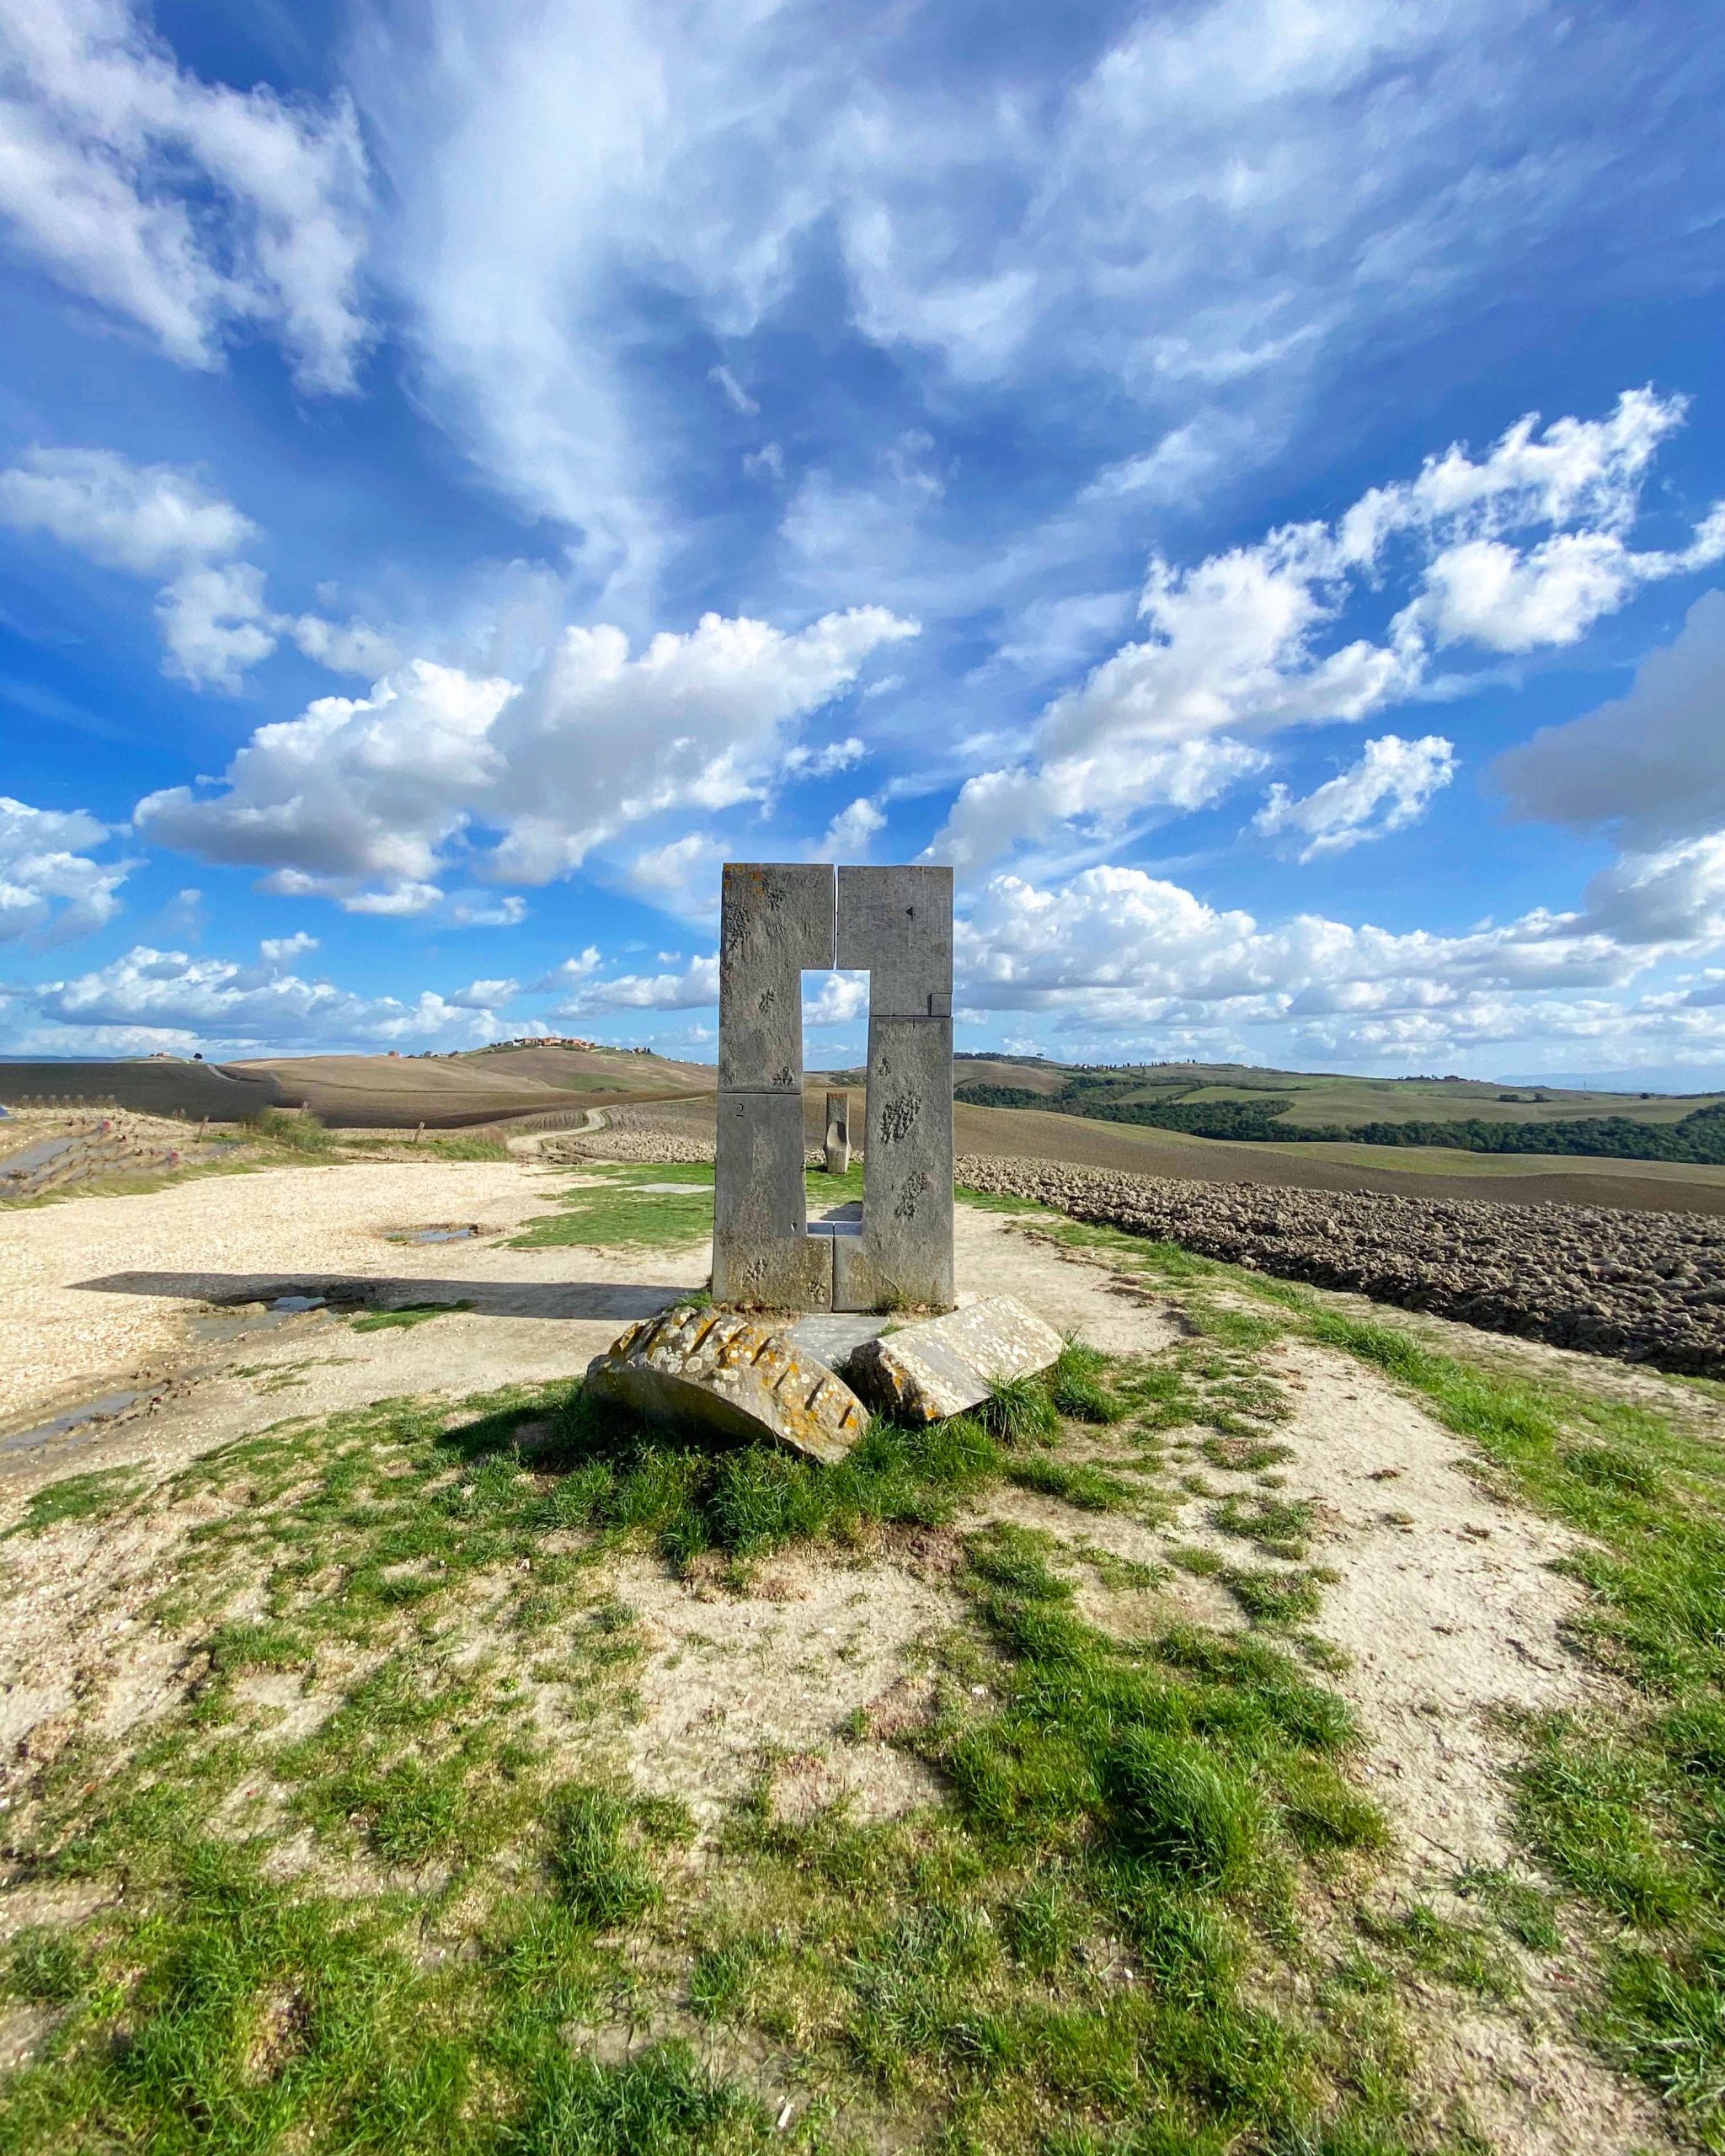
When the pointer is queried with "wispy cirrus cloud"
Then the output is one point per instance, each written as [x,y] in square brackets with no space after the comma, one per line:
[194,211]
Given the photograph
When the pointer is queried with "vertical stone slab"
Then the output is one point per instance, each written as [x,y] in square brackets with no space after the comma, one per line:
[904,1256]
[775,920]
[898,923]
[838,1134]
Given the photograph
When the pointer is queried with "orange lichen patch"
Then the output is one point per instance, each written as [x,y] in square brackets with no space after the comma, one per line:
[731,1374]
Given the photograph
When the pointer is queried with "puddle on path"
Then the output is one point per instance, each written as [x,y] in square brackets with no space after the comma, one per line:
[74,1419]
[443,1235]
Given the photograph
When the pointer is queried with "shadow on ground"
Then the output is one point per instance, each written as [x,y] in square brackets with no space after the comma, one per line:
[548,1298]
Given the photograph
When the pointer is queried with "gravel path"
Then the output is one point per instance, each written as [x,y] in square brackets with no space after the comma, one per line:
[1644,1287]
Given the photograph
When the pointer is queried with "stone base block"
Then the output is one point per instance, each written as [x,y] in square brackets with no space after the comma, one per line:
[795,1274]
[712,1369]
[945,1365]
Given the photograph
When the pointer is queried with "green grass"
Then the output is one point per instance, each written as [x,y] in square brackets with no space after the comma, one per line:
[617,1212]
[300,1134]
[96,1495]
[394,1922]
[467,1149]
[406,1316]
[1622,1807]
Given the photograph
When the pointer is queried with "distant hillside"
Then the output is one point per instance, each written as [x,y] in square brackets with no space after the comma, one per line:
[371,1092]
[1239,1105]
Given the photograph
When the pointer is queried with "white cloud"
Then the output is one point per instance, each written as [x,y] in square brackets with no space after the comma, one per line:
[344,648]
[1222,198]
[681,877]
[1128,949]
[839,999]
[1647,765]
[805,760]
[572,971]
[736,395]
[852,831]
[217,1002]
[191,210]
[365,799]
[1236,646]
[215,624]
[1675,894]
[1389,787]
[694,989]
[50,890]
[485,995]
[149,519]
[162,520]
[506,910]
[280,951]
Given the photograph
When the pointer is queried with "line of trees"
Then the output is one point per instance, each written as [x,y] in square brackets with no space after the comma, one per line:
[1698,1139]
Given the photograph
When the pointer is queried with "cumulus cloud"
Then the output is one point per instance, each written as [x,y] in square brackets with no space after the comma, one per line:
[218,1002]
[680,877]
[1389,787]
[852,832]
[190,210]
[161,521]
[149,519]
[1245,644]
[572,971]
[693,988]
[280,951]
[1646,767]
[839,1000]
[366,799]
[809,759]
[485,995]
[50,890]
[1119,952]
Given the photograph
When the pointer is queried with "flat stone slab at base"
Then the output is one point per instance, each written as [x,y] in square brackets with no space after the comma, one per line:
[731,1374]
[943,1365]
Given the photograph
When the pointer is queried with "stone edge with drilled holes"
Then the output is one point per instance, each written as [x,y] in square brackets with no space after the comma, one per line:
[943,1365]
[733,1374]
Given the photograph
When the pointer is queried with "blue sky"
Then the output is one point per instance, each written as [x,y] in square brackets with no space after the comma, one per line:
[1240,479]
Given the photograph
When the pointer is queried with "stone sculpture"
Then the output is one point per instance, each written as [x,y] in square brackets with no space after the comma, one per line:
[778,920]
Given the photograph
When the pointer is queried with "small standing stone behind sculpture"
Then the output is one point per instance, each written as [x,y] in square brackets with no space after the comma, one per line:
[838,1134]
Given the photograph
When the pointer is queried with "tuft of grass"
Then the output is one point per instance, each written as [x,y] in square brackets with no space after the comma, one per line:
[1019,1411]
[1184,1816]
[404,1315]
[300,1133]
[98,1495]
[1246,1455]
[1078,1385]
[467,1149]
[1089,1488]
[602,1872]
[1281,1526]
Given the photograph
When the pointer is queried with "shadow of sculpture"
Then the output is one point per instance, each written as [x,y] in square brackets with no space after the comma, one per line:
[621,1301]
